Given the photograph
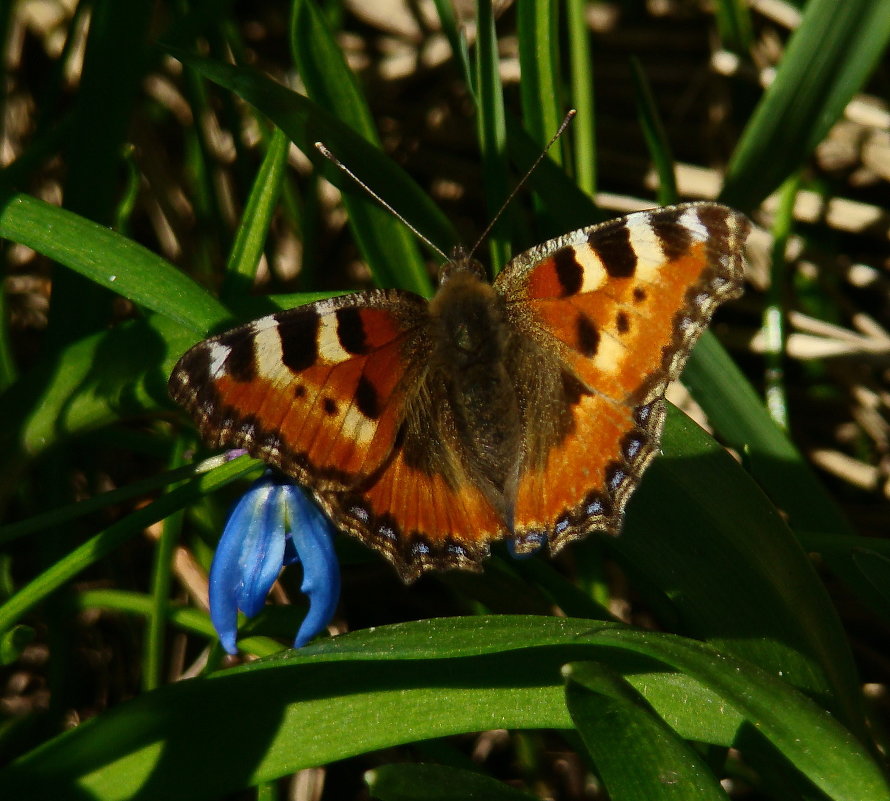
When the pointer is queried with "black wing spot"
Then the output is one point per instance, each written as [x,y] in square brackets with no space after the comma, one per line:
[615,251]
[587,335]
[569,271]
[675,239]
[351,330]
[622,322]
[298,332]
[330,406]
[240,364]
[367,399]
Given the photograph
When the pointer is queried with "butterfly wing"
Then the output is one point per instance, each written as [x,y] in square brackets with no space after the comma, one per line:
[338,394]
[318,390]
[610,314]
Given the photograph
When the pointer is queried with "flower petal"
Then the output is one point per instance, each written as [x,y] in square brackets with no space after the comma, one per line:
[313,540]
[249,551]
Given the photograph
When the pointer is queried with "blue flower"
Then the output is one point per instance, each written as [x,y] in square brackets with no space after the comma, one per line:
[274,524]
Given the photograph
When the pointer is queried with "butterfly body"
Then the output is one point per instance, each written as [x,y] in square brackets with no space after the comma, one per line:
[524,409]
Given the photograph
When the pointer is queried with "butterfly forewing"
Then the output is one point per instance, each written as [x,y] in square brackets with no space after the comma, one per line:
[319,391]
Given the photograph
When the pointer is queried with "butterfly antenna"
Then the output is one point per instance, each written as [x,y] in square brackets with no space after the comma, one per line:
[559,132]
[321,148]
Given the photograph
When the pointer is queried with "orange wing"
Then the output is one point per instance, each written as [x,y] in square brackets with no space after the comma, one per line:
[618,307]
[318,390]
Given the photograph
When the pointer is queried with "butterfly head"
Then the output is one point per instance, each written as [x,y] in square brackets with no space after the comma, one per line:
[463,264]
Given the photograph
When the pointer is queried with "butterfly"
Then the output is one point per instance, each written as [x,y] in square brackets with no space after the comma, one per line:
[523,410]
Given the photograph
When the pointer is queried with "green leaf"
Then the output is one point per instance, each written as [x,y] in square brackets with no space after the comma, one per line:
[198,739]
[251,235]
[13,641]
[388,247]
[583,132]
[703,534]
[827,61]
[655,135]
[538,32]
[492,134]
[110,260]
[614,722]
[829,756]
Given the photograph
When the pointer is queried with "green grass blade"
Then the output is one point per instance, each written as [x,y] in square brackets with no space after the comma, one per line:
[583,133]
[827,61]
[107,541]
[702,533]
[830,757]
[110,260]
[114,60]
[734,25]
[492,134]
[538,31]
[95,381]
[184,618]
[655,135]
[389,248]
[161,582]
[251,235]
[615,721]
[199,739]
[458,41]
[774,309]
[737,412]
[306,122]
[67,514]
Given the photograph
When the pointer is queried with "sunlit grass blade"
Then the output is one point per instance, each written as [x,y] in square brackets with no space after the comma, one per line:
[55,401]
[734,25]
[774,310]
[161,582]
[492,133]
[74,511]
[200,739]
[109,260]
[637,755]
[539,87]
[305,123]
[458,41]
[826,62]
[737,412]
[185,618]
[582,94]
[389,248]
[830,756]
[114,61]
[251,235]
